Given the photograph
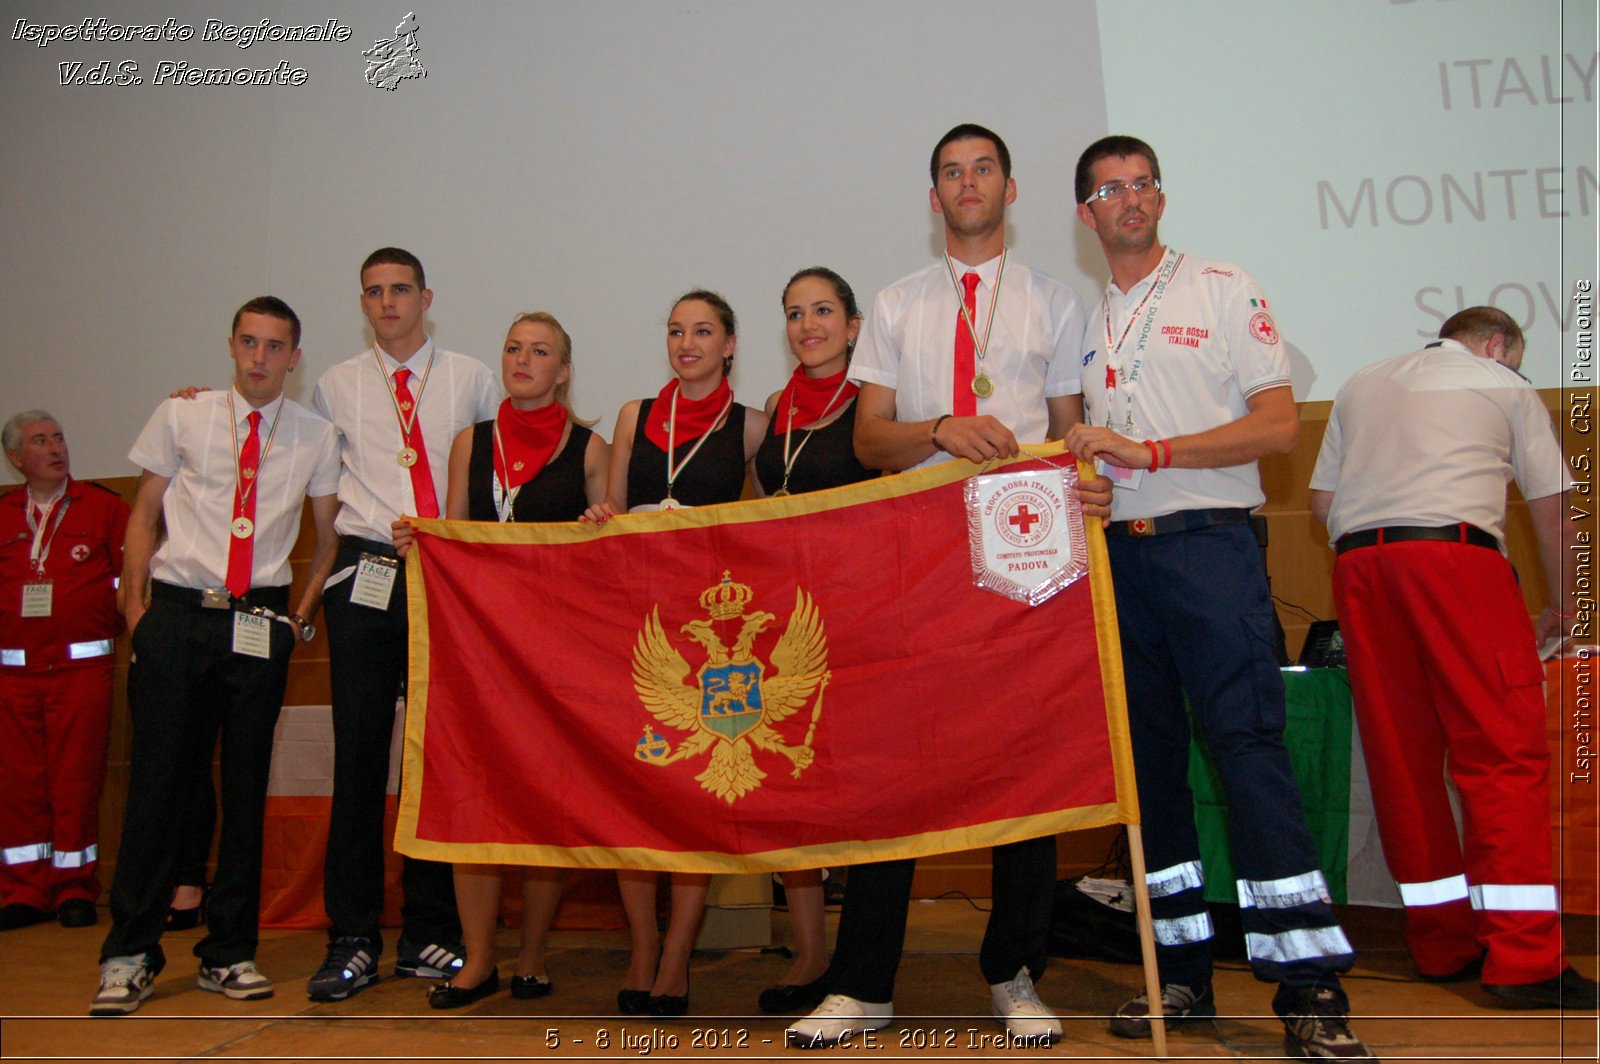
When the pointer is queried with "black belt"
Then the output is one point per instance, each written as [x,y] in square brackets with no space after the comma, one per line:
[272,598]
[351,546]
[1182,521]
[1459,533]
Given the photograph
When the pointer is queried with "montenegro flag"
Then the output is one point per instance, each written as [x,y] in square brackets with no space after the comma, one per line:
[765,685]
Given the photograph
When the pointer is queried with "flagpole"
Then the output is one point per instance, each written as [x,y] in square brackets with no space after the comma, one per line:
[1147,940]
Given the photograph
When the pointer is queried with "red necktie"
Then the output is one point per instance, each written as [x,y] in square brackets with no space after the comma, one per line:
[966,403]
[242,549]
[421,474]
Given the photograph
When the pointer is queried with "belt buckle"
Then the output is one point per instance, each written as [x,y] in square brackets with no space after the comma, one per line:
[215,598]
[1141,526]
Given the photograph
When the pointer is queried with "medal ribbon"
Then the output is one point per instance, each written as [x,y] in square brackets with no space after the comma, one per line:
[422,490]
[1119,383]
[672,433]
[789,431]
[51,523]
[244,485]
[980,347]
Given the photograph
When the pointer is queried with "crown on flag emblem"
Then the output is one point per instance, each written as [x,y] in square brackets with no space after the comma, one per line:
[733,703]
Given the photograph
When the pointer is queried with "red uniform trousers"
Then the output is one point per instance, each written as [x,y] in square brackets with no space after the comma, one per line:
[1442,662]
[54,724]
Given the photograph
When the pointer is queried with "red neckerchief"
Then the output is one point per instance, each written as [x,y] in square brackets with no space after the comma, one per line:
[810,399]
[696,417]
[527,439]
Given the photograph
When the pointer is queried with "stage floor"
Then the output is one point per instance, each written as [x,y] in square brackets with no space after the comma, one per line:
[50,974]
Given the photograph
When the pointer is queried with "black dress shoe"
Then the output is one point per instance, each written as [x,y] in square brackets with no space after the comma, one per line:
[17,915]
[528,987]
[668,1004]
[1471,970]
[77,912]
[633,1002]
[791,997]
[450,996]
[1569,990]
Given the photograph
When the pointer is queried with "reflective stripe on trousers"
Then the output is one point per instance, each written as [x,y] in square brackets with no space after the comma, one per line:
[1435,892]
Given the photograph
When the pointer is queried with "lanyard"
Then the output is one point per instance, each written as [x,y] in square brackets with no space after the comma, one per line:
[672,438]
[1123,384]
[244,481]
[788,433]
[41,543]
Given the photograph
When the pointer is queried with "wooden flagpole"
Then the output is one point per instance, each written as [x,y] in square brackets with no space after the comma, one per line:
[1147,940]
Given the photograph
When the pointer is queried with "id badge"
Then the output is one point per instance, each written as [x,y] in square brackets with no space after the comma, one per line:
[374,584]
[252,635]
[36,599]
[1121,479]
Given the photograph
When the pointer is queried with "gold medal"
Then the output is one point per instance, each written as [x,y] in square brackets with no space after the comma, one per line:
[669,503]
[243,527]
[780,493]
[982,386]
[407,457]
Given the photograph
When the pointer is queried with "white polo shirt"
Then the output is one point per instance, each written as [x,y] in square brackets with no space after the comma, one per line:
[908,343]
[1187,358]
[375,489]
[1432,438]
[191,443]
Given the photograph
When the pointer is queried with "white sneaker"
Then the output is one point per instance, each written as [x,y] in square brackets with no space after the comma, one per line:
[242,981]
[838,1019]
[124,984]
[1027,1019]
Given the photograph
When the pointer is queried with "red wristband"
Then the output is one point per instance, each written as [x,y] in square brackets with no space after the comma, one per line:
[1166,455]
[1155,455]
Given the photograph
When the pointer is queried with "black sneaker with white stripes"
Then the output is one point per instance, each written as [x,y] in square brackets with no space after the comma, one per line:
[433,961]
[351,964]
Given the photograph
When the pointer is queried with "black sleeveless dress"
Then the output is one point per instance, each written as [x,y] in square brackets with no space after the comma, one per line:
[557,494]
[716,474]
[828,461]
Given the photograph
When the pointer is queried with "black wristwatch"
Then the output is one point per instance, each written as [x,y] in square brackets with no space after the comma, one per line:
[308,631]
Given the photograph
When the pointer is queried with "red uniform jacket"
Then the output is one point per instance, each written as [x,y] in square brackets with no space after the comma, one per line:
[85,560]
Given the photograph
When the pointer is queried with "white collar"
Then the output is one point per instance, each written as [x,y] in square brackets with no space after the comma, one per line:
[242,408]
[391,364]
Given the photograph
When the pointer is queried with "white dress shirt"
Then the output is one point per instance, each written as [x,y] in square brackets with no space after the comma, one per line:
[374,489]
[908,343]
[192,443]
[1210,345]
[1432,438]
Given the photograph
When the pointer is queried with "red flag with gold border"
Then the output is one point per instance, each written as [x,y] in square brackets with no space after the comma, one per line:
[766,685]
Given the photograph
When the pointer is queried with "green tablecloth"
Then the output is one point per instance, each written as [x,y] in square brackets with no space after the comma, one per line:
[1318,737]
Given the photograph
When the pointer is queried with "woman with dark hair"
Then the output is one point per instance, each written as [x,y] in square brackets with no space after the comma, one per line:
[809,448]
[689,446]
[534,462]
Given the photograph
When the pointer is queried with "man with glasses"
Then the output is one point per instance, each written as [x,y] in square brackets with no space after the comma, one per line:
[1186,385]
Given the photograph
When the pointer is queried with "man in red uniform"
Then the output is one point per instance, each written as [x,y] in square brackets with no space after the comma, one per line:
[60,553]
[1411,482]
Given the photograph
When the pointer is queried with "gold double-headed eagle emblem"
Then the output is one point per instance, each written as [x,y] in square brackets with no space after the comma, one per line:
[733,703]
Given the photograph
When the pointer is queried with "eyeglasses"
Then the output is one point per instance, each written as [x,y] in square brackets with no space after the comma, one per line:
[1115,189]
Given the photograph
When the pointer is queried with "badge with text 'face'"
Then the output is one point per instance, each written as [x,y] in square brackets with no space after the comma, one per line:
[1026,533]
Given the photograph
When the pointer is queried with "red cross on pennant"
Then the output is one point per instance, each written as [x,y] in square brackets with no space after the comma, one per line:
[1024,519]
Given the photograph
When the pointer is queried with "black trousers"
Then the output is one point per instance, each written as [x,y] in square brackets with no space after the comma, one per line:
[872,923]
[185,686]
[367,664]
